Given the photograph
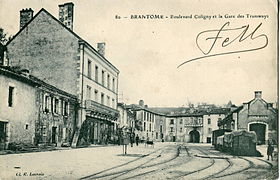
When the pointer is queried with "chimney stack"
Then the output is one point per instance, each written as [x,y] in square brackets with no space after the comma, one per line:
[258,94]
[141,103]
[101,48]
[25,16]
[66,14]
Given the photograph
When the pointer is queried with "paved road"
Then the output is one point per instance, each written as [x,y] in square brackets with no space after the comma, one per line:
[165,161]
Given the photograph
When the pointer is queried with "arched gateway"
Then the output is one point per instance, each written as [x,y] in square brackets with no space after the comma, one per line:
[194,136]
[260,130]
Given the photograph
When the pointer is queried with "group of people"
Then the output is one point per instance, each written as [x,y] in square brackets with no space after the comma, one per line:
[132,139]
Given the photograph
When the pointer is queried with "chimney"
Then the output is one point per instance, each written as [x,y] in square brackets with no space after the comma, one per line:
[101,48]
[258,94]
[66,14]
[141,103]
[25,16]
[3,50]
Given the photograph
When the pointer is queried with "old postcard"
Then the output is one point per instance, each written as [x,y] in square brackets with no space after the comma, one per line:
[130,89]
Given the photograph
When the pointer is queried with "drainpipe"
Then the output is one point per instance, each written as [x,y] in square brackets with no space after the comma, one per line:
[80,106]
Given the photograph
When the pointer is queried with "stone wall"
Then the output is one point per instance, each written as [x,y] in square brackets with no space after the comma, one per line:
[64,123]
[49,51]
[22,115]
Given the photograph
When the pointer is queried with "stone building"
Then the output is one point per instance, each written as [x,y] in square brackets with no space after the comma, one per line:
[146,120]
[53,52]
[33,112]
[126,118]
[189,124]
[184,127]
[211,116]
[256,115]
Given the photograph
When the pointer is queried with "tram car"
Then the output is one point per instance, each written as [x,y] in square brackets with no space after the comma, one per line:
[216,134]
[241,143]
[219,143]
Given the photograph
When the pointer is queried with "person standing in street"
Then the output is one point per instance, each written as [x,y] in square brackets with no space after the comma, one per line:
[137,140]
[270,150]
[132,139]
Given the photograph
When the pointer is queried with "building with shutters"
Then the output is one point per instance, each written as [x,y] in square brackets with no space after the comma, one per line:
[50,49]
[33,112]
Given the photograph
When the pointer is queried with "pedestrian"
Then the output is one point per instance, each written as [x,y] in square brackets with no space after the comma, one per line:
[270,150]
[131,139]
[137,140]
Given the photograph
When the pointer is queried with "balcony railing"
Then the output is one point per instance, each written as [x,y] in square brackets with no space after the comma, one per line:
[194,125]
[100,108]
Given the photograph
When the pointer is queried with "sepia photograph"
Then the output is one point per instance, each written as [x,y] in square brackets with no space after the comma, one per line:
[139,89]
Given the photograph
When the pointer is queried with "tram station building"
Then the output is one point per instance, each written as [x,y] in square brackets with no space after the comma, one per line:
[256,115]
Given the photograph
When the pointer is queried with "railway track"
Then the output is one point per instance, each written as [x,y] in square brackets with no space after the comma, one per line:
[122,165]
[118,174]
[169,164]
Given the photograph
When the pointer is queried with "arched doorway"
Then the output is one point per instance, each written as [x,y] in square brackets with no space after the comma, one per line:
[260,130]
[194,136]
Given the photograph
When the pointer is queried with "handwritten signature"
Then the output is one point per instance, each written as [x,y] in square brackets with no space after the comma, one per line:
[214,39]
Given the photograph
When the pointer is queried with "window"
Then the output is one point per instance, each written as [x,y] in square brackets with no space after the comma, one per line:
[113,88]
[181,129]
[44,130]
[56,105]
[102,98]
[113,103]
[219,119]
[11,96]
[89,68]
[96,95]
[171,129]
[108,81]
[103,77]
[88,95]
[156,135]
[171,121]
[144,126]
[26,126]
[144,115]
[66,108]
[47,102]
[209,121]
[108,100]
[150,127]
[209,130]
[181,121]
[52,109]
[96,73]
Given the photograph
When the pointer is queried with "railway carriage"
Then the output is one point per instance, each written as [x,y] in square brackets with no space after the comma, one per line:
[220,143]
[241,143]
[216,134]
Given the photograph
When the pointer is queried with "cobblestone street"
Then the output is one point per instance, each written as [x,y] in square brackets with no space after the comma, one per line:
[164,161]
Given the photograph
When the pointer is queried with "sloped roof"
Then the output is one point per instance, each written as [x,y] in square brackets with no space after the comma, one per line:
[179,111]
[72,32]
[29,79]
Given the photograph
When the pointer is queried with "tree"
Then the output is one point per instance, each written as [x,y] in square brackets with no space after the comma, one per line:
[4,37]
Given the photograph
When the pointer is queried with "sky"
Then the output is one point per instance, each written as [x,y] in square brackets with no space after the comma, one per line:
[148,51]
